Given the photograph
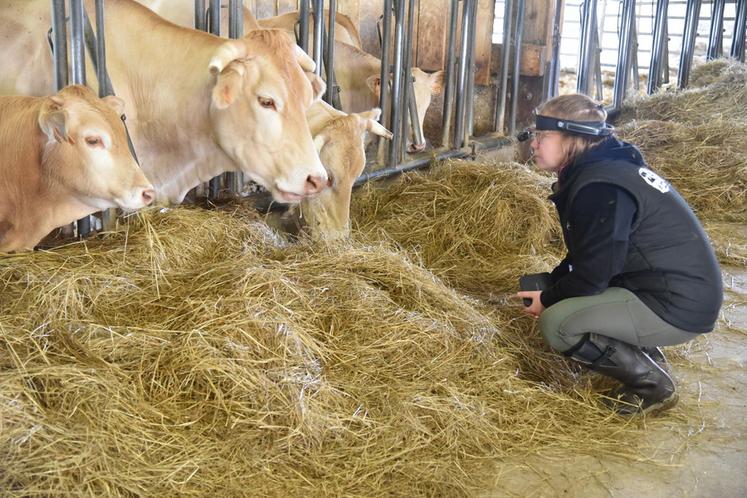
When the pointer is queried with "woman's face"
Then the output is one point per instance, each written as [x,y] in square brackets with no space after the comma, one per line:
[548,150]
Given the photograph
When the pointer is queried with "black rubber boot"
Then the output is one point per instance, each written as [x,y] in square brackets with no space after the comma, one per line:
[646,387]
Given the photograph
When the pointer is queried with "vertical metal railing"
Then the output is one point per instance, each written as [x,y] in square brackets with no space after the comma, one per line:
[408,93]
[658,46]
[303,25]
[384,90]
[585,60]
[469,125]
[716,35]
[499,109]
[449,78]
[399,22]
[235,179]
[518,38]
[318,35]
[738,38]
[461,80]
[552,76]
[692,16]
[332,95]
[214,185]
[624,53]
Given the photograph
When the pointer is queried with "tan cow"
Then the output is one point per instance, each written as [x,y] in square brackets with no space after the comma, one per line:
[182,12]
[197,105]
[345,30]
[340,139]
[359,77]
[63,157]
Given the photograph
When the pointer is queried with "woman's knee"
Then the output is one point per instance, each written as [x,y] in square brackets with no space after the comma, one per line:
[551,327]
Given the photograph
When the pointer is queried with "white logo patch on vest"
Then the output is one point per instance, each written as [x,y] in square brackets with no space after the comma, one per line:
[654,180]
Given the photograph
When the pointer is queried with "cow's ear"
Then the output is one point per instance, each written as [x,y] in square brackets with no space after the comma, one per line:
[115,103]
[53,119]
[318,86]
[374,83]
[228,86]
[374,114]
[437,82]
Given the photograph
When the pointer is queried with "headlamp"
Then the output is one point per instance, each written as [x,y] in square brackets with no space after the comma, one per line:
[586,128]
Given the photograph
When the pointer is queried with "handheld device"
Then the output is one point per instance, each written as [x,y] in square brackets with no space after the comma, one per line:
[534,282]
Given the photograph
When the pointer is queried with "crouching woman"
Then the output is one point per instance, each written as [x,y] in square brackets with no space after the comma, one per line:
[639,271]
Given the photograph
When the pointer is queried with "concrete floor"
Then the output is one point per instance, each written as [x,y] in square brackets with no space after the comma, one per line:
[700,446]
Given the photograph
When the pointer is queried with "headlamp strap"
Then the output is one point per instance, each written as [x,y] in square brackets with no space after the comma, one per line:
[592,128]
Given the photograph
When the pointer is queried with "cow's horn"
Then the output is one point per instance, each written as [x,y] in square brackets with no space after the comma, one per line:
[306,62]
[229,51]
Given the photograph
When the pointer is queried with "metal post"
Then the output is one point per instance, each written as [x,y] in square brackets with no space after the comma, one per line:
[303,25]
[596,62]
[665,56]
[331,96]
[399,18]
[518,37]
[655,66]
[553,72]
[623,53]
[408,92]
[214,184]
[235,179]
[469,119]
[588,15]
[635,74]
[318,34]
[449,76]
[738,38]
[78,62]
[716,36]
[499,111]
[688,42]
[200,17]
[384,100]
[461,81]
[59,35]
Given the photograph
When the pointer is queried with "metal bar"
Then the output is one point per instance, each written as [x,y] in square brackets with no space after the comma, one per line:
[214,185]
[716,35]
[469,119]
[553,74]
[665,56]
[303,25]
[588,14]
[235,179]
[329,60]
[461,80]
[518,37]
[623,53]
[59,35]
[738,37]
[688,42]
[399,18]
[200,17]
[655,66]
[318,34]
[596,51]
[408,92]
[449,76]
[410,165]
[78,62]
[101,75]
[635,74]
[384,94]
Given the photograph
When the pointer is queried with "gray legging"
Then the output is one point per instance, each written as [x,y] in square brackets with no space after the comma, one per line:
[615,313]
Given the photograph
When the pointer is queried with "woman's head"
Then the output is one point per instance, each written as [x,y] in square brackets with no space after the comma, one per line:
[554,149]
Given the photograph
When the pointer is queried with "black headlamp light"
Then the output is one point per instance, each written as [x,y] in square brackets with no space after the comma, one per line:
[586,128]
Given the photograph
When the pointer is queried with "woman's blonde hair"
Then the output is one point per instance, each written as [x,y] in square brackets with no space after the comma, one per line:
[575,107]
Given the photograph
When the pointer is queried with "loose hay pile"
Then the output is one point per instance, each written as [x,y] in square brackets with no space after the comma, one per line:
[196,354]
[706,162]
[723,96]
[479,226]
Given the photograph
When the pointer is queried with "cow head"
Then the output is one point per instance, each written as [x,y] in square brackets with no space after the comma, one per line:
[263,86]
[424,85]
[86,150]
[341,148]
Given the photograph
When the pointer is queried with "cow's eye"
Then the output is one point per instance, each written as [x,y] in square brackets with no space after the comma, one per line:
[267,103]
[95,142]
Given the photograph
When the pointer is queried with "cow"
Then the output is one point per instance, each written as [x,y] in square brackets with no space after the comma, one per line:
[345,30]
[196,104]
[358,75]
[339,138]
[63,157]
[182,12]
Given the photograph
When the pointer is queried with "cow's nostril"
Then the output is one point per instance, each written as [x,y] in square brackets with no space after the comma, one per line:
[148,196]
[314,184]
[416,147]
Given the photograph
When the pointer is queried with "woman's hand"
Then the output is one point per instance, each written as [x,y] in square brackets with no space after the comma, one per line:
[536,308]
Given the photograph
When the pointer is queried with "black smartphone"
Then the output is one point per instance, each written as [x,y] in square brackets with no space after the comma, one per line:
[534,282]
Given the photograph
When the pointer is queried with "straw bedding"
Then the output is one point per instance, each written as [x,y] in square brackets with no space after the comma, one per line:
[194,353]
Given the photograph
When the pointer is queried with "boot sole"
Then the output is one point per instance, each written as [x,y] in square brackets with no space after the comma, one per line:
[662,405]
